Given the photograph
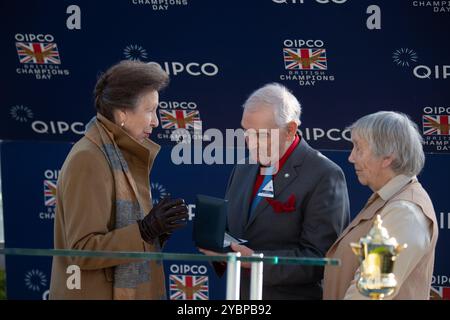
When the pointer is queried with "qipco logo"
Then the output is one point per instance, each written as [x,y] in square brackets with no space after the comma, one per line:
[192,68]
[184,105]
[434,72]
[188,269]
[303,43]
[30,37]
[57,127]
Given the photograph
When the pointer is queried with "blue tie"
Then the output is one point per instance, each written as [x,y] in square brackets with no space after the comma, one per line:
[257,198]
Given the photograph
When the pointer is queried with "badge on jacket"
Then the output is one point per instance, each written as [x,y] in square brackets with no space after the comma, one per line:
[267,191]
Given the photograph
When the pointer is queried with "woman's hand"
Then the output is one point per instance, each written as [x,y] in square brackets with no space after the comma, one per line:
[166,217]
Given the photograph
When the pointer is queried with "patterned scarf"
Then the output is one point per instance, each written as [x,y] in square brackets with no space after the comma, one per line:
[128,210]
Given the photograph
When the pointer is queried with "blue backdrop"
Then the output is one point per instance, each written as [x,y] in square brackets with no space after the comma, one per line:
[372,55]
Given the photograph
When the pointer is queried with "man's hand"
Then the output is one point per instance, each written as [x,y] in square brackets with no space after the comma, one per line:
[245,252]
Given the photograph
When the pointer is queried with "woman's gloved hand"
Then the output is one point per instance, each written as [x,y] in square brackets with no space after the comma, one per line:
[167,216]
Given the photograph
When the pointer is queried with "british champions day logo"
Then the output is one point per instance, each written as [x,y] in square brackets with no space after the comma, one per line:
[306,62]
[436,128]
[38,56]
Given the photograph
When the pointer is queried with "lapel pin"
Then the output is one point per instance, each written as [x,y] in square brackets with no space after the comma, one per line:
[286,175]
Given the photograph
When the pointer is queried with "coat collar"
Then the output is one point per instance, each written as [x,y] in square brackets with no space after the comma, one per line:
[142,152]
[393,186]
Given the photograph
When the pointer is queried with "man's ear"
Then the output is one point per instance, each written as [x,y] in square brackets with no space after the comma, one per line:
[292,129]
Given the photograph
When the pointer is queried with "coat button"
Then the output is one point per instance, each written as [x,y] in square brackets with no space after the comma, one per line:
[286,175]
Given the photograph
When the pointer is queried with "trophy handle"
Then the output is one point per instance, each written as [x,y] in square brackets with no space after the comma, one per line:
[400,248]
[357,249]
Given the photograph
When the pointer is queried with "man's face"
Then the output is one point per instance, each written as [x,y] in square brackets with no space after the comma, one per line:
[368,167]
[265,140]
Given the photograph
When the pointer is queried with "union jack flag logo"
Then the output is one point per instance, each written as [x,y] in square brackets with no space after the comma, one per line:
[188,287]
[305,59]
[50,193]
[180,119]
[37,52]
[440,293]
[435,125]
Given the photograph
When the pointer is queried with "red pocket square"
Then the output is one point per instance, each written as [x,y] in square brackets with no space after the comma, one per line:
[279,206]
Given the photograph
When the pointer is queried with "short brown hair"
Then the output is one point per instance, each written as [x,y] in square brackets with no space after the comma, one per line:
[121,86]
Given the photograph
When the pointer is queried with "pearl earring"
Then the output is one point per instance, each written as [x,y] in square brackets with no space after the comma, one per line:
[122,124]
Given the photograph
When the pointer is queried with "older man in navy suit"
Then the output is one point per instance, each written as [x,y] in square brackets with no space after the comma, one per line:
[292,201]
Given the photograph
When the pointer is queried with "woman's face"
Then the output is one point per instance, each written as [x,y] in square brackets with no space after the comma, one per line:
[140,121]
[368,167]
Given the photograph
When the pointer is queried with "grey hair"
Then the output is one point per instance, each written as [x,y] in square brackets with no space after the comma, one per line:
[393,134]
[285,105]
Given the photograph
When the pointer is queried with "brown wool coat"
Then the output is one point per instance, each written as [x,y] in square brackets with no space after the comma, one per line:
[85,217]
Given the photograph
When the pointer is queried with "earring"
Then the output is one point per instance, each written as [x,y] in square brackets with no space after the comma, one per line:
[122,124]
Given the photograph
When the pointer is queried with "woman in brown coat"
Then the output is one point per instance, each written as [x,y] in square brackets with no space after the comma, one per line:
[103,195]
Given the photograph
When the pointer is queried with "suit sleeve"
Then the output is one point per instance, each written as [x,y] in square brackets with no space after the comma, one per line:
[326,214]
[221,266]
[88,201]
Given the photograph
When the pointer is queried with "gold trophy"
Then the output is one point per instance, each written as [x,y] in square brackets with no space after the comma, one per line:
[377,254]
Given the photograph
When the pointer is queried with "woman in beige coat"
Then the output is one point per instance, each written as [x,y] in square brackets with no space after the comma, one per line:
[388,155]
[103,193]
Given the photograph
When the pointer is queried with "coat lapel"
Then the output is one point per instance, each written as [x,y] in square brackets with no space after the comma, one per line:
[367,213]
[238,218]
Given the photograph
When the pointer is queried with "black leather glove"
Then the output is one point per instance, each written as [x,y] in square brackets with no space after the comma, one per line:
[168,215]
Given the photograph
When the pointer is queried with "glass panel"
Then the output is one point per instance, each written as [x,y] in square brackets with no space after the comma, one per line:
[167,256]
